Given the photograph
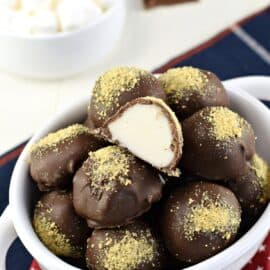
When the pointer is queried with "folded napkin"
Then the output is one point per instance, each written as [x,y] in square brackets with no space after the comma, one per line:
[243,49]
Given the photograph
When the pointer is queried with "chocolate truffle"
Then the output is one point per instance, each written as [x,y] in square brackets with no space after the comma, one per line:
[55,158]
[113,187]
[253,188]
[58,226]
[199,220]
[133,247]
[218,142]
[149,129]
[117,87]
[190,89]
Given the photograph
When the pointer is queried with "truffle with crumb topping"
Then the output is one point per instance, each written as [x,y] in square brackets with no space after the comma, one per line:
[55,158]
[199,220]
[253,188]
[217,144]
[134,247]
[113,187]
[58,227]
[190,89]
[158,140]
[118,86]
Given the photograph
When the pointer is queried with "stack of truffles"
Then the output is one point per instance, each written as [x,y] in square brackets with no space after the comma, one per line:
[161,175]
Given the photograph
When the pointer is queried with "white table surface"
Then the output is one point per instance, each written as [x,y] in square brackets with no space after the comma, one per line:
[150,38]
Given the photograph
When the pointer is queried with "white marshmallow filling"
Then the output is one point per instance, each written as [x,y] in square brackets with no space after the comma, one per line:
[146,131]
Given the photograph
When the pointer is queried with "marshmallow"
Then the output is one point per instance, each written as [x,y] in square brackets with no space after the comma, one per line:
[13,4]
[32,5]
[74,14]
[42,22]
[45,17]
[6,18]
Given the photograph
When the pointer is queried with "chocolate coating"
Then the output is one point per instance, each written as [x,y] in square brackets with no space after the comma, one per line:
[199,220]
[190,89]
[217,144]
[117,87]
[253,188]
[134,247]
[159,149]
[55,158]
[153,3]
[113,187]
[58,226]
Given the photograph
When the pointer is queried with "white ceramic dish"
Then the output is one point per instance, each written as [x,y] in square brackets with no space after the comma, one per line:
[21,191]
[63,54]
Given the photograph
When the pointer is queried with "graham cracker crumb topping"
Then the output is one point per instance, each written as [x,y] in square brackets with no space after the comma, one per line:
[179,82]
[53,139]
[111,85]
[211,216]
[262,171]
[226,123]
[130,251]
[50,235]
[107,165]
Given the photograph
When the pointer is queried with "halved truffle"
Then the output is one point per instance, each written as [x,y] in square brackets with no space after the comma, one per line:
[149,129]
[190,89]
[199,220]
[58,227]
[218,144]
[113,187]
[134,247]
[55,158]
[118,86]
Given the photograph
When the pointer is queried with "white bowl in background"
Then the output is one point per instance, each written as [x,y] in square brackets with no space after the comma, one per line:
[63,54]
[22,190]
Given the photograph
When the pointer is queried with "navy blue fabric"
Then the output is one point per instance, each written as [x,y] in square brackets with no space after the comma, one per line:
[18,257]
[5,175]
[231,57]
[257,29]
[228,58]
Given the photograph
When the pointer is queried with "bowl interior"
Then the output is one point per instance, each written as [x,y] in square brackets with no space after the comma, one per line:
[23,192]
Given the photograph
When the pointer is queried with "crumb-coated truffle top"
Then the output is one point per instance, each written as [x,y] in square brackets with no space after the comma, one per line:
[126,249]
[132,249]
[107,165]
[178,82]
[199,219]
[226,124]
[53,139]
[262,171]
[112,84]
[49,231]
[211,216]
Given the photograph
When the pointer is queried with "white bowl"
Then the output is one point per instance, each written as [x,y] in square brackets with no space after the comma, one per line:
[22,188]
[62,54]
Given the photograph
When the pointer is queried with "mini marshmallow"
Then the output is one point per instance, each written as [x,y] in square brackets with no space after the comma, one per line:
[74,14]
[106,3]
[12,4]
[42,22]
[33,5]
[7,17]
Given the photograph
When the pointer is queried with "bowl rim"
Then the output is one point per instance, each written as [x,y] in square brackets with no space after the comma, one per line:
[62,35]
[48,259]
